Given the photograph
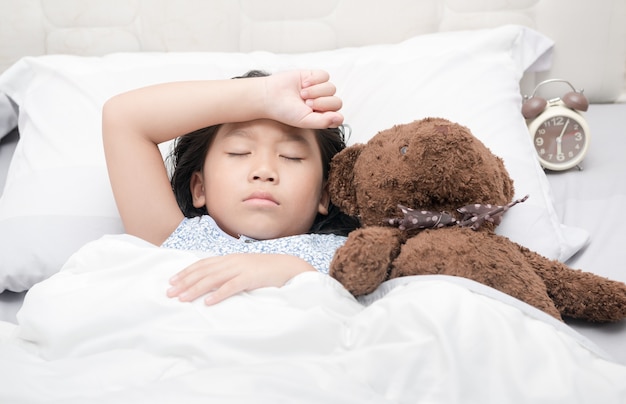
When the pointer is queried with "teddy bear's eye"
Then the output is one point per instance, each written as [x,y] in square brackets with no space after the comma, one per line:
[404,149]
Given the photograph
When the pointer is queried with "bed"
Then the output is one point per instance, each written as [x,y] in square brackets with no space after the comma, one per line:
[83,307]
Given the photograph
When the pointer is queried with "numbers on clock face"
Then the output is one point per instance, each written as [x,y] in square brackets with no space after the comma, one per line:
[559,139]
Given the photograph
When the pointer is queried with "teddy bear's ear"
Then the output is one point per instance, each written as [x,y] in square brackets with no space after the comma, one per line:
[341,179]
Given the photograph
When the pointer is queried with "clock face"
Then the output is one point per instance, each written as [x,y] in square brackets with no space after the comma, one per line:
[560,142]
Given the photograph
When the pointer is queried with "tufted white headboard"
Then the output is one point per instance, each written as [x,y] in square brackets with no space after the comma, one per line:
[590,37]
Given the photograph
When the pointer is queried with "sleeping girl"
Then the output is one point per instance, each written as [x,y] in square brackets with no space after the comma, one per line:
[250,165]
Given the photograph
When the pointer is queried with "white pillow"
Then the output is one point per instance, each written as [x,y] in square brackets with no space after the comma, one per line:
[57,195]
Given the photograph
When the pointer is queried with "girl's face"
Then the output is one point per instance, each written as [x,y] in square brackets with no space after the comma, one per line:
[262,179]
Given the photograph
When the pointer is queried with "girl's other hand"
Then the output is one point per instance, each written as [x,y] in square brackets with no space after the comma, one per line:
[228,275]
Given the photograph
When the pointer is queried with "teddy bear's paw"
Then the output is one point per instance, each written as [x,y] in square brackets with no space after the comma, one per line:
[363,262]
[591,297]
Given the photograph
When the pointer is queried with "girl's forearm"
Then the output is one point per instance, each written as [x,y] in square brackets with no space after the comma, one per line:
[164,111]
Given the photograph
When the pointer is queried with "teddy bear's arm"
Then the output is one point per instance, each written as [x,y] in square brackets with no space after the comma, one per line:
[364,261]
[580,294]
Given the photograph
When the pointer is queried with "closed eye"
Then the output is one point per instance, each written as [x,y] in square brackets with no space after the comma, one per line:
[233,154]
[298,159]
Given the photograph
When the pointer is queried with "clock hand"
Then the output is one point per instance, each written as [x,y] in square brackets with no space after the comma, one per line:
[560,138]
[564,128]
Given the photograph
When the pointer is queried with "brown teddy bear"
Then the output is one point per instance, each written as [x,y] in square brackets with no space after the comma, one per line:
[436,167]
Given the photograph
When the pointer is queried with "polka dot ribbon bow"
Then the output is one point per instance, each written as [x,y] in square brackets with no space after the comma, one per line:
[473,216]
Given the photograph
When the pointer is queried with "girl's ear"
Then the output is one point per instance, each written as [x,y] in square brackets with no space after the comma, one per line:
[322,208]
[197,190]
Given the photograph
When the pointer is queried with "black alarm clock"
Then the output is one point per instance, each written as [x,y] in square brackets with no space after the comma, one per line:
[558,128]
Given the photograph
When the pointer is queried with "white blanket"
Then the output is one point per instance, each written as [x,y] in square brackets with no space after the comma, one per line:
[103,331]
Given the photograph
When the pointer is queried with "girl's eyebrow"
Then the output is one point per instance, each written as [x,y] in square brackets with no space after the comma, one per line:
[236,132]
[296,135]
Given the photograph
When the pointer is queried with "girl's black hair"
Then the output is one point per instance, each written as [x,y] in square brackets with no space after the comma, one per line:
[190,150]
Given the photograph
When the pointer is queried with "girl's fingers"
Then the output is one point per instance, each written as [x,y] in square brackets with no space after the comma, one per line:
[177,278]
[201,275]
[201,287]
[325,89]
[312,77]
[325,104]
[215,275]
[322,120]
[220,284]
[226,290]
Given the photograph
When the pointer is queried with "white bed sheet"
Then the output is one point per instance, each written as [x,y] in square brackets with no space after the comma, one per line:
[595,200]
[102,330]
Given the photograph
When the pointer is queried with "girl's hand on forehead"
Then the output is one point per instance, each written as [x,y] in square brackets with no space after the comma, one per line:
[304,99]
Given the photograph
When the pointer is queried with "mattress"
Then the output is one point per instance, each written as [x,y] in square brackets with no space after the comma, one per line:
[10,302]
[594,198]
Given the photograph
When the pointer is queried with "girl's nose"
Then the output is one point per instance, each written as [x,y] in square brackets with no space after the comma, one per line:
[264,171]
[263,176]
